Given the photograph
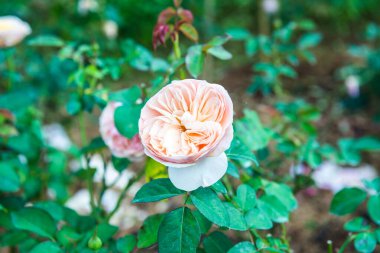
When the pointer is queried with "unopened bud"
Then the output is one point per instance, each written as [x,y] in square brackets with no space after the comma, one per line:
[94,243]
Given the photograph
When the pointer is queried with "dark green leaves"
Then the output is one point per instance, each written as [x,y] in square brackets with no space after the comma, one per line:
[239,151]
[210,206]
[236,217]
[156,190]
[357,224]
[147,235]
[258,219]
[34,220]
[374,208]
[217,242]
[179,232]
[347,200]
[195,60]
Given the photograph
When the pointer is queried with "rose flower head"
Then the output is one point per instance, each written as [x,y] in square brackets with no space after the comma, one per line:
[119,145]
[187,126]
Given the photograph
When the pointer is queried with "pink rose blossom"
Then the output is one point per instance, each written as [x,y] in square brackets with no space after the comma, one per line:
[188,126]
[119,145]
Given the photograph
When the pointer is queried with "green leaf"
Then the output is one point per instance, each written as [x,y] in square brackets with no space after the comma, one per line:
[357,224]
[347,200]
[238,33]
[243,247]
[189,31]
[245,197]
[377,235]
[220,53]
[219,187]
[239,151]
[154,170]
[105,231]
[217,41]
[283,193]
[367,144]
[51,207]
[273,207]
[373,184]
[237,221]
[68,236]
[309,40]
[46,41]
[147,235]
[374,208]
[120,164]
[34,220]
[217,242]
[45,247]
[126,244]
[365,242]
[9,180]
[194,60]
[210,206]
[126,119]
[156,190]
[258,219]
[251,46]
[179,232]
[204,224]
[126,96]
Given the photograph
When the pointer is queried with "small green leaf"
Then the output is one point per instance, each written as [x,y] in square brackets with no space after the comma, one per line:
[273,207]
[105,231]
[126,119]
[51,207]
[189,31]
[126,96]
[126,244]
[147,235]
[67,235]
[238,33]
[34,220]
[220,53]
[365,242]
[245,197]
[309,40]
[210,206]
[45,247]
[46,41]
[156,190]
[347,200]
[283,193]
[120,164]
[243,247]
[374,208]
[258,219]
[219,187]
[179,232]
[195,60]
[154,170]
[217,242]
[357,224]
[239,151]
[237,221]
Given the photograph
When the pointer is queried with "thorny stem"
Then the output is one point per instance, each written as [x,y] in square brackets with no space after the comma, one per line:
[124,192]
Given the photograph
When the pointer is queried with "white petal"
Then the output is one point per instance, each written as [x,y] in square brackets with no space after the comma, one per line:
[205,172]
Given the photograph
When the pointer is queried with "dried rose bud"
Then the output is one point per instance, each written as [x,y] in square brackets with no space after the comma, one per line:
[160,33]
[185,15]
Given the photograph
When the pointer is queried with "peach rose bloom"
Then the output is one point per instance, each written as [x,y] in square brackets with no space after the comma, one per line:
[187,126]
[12,30]
[119,145]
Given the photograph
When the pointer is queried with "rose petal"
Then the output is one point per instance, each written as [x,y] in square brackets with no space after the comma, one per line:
[205,172]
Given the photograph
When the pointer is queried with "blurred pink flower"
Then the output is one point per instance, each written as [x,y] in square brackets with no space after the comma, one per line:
[271,6]
[119,145]
[188,126]
[353,86]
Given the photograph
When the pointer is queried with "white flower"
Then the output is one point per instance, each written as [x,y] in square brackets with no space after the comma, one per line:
[86,6]
[56,137]
[353,86]
[12,30]
[271,6]
[110,29]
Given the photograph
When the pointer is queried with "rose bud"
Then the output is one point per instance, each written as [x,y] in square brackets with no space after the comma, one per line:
[119,145]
